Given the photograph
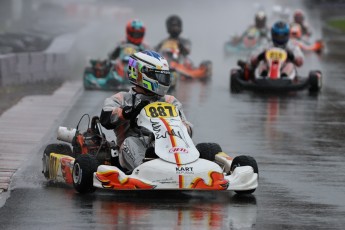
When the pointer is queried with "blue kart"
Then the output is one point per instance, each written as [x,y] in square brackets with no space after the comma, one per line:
[109,74]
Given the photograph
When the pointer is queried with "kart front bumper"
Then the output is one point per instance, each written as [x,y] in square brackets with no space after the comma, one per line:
[242,179]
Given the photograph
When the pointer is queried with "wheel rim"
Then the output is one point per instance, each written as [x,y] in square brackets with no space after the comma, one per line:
[77,173]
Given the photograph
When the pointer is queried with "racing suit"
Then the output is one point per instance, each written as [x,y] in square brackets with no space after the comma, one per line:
[184,45]
[295,58]
[132,147]
[305,29]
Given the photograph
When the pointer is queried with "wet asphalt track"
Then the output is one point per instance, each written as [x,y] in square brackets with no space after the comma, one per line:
[296,139]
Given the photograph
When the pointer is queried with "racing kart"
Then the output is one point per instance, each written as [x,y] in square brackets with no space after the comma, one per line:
[174,162]
[182,67]
[306,46]
[245,78]
[245,44]
[302,42]
[109,74]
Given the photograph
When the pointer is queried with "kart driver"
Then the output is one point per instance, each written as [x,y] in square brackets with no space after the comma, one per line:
[260,25]
[299,18]
[150,85]
[135,32]
[280,34]
[174,28]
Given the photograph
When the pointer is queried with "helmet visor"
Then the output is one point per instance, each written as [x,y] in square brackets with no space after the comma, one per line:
[136,34]
[280,39]
[162,76]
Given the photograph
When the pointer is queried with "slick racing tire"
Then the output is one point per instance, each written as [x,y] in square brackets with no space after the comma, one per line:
[235,86]
[244,161]
[315,81]
[208,151]
[84,167]
[58,148]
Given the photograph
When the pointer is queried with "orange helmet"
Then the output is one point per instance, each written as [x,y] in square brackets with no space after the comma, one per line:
[135,31]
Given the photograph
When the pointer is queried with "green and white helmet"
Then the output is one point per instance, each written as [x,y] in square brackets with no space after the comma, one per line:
[149,70]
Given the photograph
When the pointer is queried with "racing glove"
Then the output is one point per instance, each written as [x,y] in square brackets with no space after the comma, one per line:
[261,56]
[130,112]
[290,56]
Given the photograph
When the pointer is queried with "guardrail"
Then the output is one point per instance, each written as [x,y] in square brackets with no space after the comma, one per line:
[22,68]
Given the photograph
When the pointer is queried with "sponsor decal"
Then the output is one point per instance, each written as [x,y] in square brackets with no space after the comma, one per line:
[178,150]
[184,170]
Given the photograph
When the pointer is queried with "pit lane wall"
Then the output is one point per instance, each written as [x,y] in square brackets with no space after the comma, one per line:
[51,64]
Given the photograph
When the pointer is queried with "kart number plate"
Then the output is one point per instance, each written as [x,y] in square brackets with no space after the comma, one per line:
[161,110]
[170,44]
[129,50]
[276,55]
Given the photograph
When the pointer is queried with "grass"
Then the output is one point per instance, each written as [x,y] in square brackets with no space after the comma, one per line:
[338,24]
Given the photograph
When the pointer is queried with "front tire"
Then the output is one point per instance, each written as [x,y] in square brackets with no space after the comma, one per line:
[84,167]
[244,161]
[208,151]
[59,148]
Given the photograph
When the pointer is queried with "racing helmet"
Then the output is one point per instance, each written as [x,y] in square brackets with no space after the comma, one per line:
[280,34]
[174,25]
[135,31]
[260,19]
[149,70]
[298,16]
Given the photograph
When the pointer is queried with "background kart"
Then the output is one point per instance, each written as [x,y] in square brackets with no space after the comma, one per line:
[106,76]
[175,163]
[305,46]
[245,44]
[303,42]
[245,78]
[182,67]
[109,74]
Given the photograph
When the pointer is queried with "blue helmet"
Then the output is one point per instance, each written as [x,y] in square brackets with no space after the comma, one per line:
[280,34]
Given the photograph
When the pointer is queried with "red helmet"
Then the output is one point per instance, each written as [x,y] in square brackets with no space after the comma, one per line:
[298,16]
[135,31]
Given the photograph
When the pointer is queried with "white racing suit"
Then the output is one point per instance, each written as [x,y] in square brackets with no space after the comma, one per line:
[132,147]
[289,66]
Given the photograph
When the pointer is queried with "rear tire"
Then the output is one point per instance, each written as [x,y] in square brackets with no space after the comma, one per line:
[315,81]
[208,151]
[59,148]
[84,167]
[244,161]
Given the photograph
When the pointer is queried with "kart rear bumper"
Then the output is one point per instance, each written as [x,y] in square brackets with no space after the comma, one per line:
[279,85]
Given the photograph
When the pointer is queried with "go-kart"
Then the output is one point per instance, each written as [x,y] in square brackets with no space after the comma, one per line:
[302,42]
[245,78]
[109,74]
[182,67]
[174,163]
[306,46]
[245,44]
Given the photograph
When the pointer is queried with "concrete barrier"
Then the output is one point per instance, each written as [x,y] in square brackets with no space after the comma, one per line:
[22,68]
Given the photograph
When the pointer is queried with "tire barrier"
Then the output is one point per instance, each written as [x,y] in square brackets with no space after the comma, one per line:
[22,68]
